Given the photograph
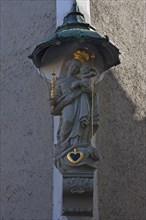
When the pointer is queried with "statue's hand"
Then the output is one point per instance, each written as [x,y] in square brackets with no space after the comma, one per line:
[75,85]
[90,74]
[52,101]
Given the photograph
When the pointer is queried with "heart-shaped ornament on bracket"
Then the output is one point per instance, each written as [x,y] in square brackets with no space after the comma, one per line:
[75,156]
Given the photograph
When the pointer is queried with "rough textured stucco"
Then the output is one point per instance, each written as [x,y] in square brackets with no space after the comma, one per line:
[26,145]
[121,136]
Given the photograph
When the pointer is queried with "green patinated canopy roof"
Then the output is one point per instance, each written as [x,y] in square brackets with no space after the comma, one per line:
[75,31]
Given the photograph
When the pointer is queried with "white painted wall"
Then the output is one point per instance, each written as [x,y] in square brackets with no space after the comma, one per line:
[62,8]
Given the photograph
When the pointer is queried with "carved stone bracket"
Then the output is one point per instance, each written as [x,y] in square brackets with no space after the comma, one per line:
[78,194]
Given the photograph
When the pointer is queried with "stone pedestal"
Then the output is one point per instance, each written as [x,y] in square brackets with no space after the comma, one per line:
[78,166]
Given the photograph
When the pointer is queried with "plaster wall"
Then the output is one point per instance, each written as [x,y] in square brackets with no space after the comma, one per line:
[26,135]
[121,135]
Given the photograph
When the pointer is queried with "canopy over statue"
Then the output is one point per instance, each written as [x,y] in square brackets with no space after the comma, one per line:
[72,34]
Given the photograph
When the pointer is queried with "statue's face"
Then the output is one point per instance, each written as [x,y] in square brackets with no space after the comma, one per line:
[74,68]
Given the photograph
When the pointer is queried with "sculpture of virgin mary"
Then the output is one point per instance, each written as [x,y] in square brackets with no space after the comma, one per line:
[74,102]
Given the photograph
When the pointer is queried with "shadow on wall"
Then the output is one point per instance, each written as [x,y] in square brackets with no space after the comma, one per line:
[120,139]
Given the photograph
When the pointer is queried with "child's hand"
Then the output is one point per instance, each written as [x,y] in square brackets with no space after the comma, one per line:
[75,85]
[90,74]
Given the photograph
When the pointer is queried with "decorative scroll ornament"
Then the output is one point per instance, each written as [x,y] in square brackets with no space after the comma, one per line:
[75,156]
[79,184]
